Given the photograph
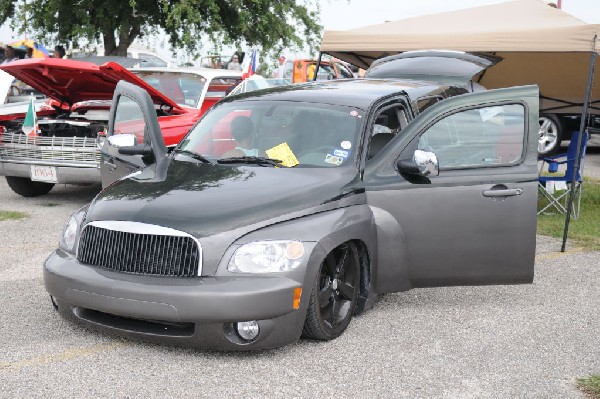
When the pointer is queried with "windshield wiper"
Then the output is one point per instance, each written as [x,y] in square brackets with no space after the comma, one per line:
[254,160]
[192,154]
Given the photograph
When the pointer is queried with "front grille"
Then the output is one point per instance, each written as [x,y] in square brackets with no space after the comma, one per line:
[18,146]
[137,253]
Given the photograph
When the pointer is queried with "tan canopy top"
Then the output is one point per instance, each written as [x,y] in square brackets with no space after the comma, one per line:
[540,45]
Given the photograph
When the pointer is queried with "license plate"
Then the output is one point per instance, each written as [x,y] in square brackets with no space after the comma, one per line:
[44,173]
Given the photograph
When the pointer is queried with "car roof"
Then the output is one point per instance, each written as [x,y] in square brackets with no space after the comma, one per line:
[208,73]
[359,93]
[127,62]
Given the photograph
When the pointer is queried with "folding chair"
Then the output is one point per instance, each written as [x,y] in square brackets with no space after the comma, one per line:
[558,199]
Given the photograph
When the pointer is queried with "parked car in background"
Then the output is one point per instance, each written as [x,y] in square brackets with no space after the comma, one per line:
[16,95]
[302,70]
[555,128]
[286,211]
[198,88]
[145,56]
[254,82]
[221,61]
[127,62]
[72,123]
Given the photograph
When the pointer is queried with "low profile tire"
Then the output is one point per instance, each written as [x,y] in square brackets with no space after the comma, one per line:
[550,134]
[334,294]
[28,188]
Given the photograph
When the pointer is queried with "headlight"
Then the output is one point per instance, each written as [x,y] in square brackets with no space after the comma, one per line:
[267,257]
[68,238]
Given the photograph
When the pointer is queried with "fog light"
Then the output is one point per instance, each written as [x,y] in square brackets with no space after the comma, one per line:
[247,330]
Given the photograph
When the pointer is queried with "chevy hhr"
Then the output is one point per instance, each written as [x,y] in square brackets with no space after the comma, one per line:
[285,212]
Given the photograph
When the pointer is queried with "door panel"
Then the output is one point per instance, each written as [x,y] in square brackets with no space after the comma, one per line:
[132,112]
[475,222]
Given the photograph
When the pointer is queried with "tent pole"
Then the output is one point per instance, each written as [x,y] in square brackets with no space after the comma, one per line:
[317,67]
[582,126]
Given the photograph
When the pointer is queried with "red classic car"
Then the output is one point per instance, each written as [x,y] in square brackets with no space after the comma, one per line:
[71,123]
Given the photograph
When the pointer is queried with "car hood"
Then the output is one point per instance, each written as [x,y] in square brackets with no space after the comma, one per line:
[70,81]
[443,66]
[206,199]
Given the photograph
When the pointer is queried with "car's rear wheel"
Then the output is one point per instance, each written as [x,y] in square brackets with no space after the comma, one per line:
[334,294]
[550,134]
[28,188]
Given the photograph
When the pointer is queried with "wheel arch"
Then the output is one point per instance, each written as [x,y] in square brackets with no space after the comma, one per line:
[329,230]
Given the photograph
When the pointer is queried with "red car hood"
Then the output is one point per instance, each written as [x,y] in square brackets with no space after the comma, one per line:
[70,81]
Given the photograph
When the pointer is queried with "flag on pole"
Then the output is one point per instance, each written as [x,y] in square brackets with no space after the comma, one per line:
[30,122]
[250,64]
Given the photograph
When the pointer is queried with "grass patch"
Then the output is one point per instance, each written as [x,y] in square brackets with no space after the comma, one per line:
[49,204]
[584,230]
[12,215]
[590,385]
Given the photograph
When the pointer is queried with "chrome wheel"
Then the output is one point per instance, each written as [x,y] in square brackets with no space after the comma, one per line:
[549,135]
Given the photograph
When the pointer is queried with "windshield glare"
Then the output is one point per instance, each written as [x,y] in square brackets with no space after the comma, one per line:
[298,134]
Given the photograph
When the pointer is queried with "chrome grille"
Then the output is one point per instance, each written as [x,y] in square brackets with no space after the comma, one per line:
[139,253]
[83,150]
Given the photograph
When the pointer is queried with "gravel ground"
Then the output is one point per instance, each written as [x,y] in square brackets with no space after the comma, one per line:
[485,342]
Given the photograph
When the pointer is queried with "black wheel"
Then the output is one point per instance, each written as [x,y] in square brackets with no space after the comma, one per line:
[28,188]
[334,294]
[550,134]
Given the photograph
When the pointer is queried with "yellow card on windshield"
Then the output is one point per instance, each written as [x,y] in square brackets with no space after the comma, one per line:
[284,153]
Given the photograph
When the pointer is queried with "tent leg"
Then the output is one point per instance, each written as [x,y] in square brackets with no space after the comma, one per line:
[317,67]
[584,111]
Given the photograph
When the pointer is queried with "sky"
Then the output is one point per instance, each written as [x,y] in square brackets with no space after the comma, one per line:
[348,14]
[339,15]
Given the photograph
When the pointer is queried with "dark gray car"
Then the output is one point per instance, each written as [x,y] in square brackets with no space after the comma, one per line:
[287,211]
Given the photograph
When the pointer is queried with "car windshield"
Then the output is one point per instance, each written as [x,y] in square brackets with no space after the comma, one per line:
[21,92]
[183,88]
[253,83]
[289,133]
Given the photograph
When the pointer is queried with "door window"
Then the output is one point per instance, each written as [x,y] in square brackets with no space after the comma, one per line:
[129,119]
[478,137]
[344,71]
[388,123]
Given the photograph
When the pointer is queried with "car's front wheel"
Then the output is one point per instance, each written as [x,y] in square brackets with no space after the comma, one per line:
[28,188]
[334,294]
[550,134]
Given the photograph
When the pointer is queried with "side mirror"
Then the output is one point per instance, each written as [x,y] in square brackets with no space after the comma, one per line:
[138,149]
[424,163]
[122,140]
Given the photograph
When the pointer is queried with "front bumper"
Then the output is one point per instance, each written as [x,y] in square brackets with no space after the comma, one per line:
[195,312]
[64,174]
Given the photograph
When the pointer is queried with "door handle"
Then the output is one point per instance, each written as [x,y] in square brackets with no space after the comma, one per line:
[110,165]
[502,192]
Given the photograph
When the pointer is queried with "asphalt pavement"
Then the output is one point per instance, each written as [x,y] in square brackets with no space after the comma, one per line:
[529,341]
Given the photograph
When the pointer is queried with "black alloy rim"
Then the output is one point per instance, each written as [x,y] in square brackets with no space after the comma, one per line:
[337,286]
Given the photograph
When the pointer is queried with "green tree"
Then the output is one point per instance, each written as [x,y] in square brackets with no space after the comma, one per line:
[270,24]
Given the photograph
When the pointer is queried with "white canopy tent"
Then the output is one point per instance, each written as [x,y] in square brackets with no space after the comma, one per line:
[540,45]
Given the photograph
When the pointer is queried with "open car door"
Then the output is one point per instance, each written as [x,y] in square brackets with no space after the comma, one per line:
[133,140]
[460,183]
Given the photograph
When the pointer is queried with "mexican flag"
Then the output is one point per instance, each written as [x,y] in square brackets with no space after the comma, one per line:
[30,122]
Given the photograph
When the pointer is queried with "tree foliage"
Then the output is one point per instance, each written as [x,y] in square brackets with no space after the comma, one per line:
[270,24]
